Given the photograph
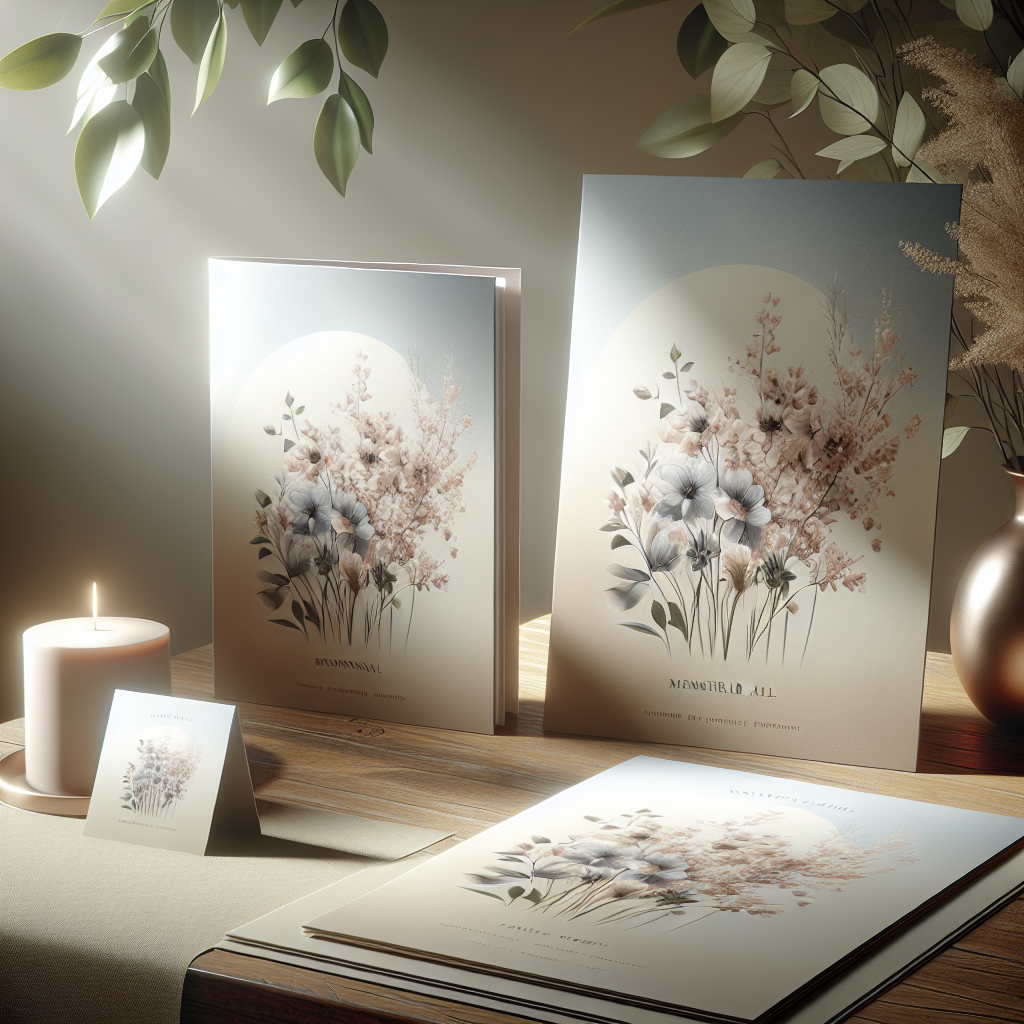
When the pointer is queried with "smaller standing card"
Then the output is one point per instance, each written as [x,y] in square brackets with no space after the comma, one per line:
[169,769]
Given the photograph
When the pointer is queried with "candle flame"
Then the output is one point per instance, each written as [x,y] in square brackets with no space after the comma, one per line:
[95,608]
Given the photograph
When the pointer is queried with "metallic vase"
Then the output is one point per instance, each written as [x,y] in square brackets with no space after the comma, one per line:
[986,629]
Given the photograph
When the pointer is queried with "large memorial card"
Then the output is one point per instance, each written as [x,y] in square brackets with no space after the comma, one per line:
[659,885]
[365,489]
[750,470]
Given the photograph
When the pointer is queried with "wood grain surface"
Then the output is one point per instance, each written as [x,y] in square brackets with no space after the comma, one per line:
[466,783]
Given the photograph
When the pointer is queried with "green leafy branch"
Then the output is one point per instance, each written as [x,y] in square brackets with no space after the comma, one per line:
[117,136]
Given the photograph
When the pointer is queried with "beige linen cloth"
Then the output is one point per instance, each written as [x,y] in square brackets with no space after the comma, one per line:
[95,930]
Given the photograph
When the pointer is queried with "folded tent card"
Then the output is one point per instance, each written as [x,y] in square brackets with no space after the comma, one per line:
[169,770]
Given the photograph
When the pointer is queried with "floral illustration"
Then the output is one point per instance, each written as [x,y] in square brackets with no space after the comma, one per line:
[159,775]
[640,869]
[729,517]
[346,533]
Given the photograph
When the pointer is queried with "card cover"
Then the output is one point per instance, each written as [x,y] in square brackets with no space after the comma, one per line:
[750,470]
[365,489]
[673,887]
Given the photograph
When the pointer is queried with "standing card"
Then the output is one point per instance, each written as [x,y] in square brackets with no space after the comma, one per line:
[750,473]
[170,768]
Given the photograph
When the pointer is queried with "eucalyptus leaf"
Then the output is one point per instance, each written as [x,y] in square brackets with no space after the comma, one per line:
[40,62]
[952,437]
[306,71]
[212,63]
[152,100]
[192,23]
[809,12]
[877,169]
[360,105]
[699,44]
[765,169]
[686,130]
[108,151]
[95,90]
[121,8]
[731,18]
[803,87]
[775,90]
[848,99]
[336,141]
[1015,75]
[976,14]
[737,77]
[922,172]
[908,133]
[619,7]
[134,49]
[363,35]
[259,16]
[856,147]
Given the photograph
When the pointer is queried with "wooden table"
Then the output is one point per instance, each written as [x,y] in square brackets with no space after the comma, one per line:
[464,782]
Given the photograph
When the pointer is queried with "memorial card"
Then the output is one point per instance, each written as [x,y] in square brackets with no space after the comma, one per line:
[365,489]
[750,470]
[169,770]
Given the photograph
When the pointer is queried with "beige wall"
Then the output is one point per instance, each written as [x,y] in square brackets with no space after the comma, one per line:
[488,113]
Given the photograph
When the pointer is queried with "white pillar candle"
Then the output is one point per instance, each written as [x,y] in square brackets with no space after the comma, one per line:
[72,667]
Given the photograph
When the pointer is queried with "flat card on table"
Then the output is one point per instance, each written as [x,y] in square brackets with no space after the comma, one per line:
[365,488]
[170,768]
[674,887]
[750,470]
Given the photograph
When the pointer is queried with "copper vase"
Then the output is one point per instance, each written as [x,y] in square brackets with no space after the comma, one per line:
[986,628]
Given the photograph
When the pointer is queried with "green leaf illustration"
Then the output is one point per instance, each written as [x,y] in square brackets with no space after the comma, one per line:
[618,541]
[640,627]
[809,12]
[108,151]
[363,36]
[305,72]
[192,23]
[625,573]
[665,410]
[40,62]
[360,105]
[976,14]
[120,8]
[733,18]
[699,44]
[259,16]
[854,147]
[95,90]
[686,130]
[847,99]
[272,577]
[686,367]
[612,525]
[516,891]
[803,87]
[336,141]
[212,63]
[619,7]
[737,77]
[133,52]
[765,169]
[286,622]
[675,618]
[908,133]
[658,614]
[952,437]
[152,100]
[264,552]
[259,539]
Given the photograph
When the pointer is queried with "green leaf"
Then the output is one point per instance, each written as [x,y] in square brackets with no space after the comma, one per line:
[952,438]
[306,71]
[336,140]
[516,891]
[120,8]
[686,367]
[686,130]
[732,18]
[809,12]
[40,62]
[618,541]
[213,62]
[619,7]
[699,44]
[856,147]
[675,618]
[95,90]
[297,612]
[736,78]
[802,87]
[152,100]
[625,573]
[908,133]
[133,52]
[259,16]
[360,105]
[1015,75]
[658,614]
[976,14]
[765,169]
[848,99]
[641,627]
[192,22]
[775,90]
[923,173]
[108,151]
[363,36]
